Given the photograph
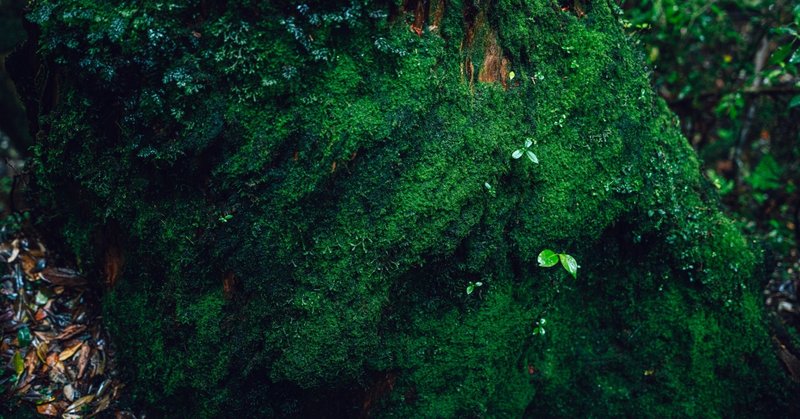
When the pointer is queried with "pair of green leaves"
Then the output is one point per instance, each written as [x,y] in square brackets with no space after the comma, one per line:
[472,286]
[525,150]
[538,328]
[548,258]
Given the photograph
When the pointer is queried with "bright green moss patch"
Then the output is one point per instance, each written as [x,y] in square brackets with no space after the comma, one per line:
[300,194]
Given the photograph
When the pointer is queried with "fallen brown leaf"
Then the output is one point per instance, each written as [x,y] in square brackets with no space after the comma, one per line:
[25,383]
[51,359]
[117,388]
[791,362]
[80,403]
[48,409]
[83,360]
[69,352]
[14,251]
[31,362]
[40,315]
[69,392]
[28,261]
[102,405]
[44,336]
[58,373]
[41,351]
[62,276]
[102,388]
[70,331]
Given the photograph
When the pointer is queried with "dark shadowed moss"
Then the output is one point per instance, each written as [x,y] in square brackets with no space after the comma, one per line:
[299,192]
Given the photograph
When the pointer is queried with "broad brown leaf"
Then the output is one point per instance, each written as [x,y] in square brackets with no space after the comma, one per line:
[62,276]
[83,360]
[48,409]
[70,331]
[69,352]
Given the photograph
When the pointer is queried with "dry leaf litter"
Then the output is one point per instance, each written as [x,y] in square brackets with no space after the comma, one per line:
[56,354]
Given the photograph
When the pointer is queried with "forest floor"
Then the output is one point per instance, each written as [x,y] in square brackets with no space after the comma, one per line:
[59,359]
[781,297]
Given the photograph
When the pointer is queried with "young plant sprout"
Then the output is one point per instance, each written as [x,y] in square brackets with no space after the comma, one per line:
[525,150]
[538,328]
[472,286]
[548,258]
[489,188]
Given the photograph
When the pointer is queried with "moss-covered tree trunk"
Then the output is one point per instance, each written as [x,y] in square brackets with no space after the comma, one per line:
[289,201]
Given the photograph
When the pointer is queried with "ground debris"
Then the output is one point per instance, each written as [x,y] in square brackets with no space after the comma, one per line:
[783,298]
[56,356]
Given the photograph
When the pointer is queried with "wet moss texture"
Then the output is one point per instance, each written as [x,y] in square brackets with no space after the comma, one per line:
[291,199]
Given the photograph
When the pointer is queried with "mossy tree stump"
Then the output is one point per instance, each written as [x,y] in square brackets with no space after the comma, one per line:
[290,200]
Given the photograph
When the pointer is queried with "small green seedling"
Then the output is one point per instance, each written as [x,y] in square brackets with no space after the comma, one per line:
[538,328]
[472,285]
[225,218]
[525,150]
[548,258]
[489,188]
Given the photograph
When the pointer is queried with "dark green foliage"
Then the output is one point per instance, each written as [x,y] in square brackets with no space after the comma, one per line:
[704,51]
[13,127]
[334,162]
[731,70]
[13,33]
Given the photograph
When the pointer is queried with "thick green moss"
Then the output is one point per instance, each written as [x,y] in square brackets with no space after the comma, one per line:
[335,162]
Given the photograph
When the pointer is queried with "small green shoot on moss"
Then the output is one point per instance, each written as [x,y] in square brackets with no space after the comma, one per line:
[538,328]
[548,258]
[525,150]
[723,185]
[472,285]
[489,188]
